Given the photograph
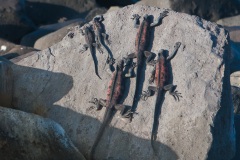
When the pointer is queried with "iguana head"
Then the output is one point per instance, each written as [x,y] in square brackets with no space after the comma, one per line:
[161,53]
[120,64]
[145,17]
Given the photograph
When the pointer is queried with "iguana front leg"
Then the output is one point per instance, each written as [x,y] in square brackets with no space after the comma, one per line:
[176,47]
[105,36]
[136,18]
[124,110]
[100,103]
[156,22]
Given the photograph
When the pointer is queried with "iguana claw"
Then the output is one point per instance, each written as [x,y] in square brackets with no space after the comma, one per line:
[145,95]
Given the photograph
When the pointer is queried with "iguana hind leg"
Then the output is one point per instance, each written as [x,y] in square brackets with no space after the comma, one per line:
[161,16]
[105,36]
[151,90]
[176,47]
[100,103]
[125,111]
[84,48]
[130,71]
[172,91]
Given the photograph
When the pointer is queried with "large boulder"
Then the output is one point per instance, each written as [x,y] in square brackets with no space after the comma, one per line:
[31,38]
[55,37]
[59,82]
[28,136]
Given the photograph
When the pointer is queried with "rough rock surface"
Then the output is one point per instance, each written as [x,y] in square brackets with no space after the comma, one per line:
[54,37]
[31,38]
[28,136]
[58,83]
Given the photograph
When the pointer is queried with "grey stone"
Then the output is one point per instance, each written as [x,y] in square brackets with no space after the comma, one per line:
[59,82]
[54,37]
[31,38]
[28,136]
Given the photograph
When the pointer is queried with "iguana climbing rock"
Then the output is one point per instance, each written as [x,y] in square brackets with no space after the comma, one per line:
[160,74]
[141,43]
[90,43]
[114,92]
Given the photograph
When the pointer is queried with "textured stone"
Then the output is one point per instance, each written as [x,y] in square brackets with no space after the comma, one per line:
[54,37]
[58,83]
[31,38]
[28,136]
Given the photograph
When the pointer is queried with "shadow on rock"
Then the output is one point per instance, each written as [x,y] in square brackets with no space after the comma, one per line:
[222,129]
[115,142]
[47,88]
[237,129]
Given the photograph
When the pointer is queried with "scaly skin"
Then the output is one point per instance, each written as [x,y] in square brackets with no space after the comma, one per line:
[99,35]
[141,43]
[114,92]
[89,38]
[160,76]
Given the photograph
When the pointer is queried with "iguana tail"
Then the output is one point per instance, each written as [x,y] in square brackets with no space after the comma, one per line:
[157,112]
[106,121]
[95,62]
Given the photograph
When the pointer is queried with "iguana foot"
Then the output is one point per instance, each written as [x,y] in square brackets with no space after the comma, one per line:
[84,48]
[127,116]
[136,18]
[96,102]
[151,80]
[163,14]
[176,95]
[145,95]
[110,61]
